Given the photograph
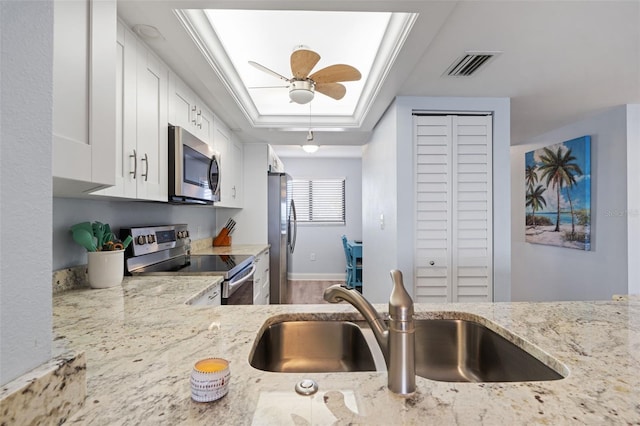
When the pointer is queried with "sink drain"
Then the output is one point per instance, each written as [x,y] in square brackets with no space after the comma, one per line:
[306,387]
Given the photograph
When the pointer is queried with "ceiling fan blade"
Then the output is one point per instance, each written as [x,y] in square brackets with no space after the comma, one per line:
[335,73]
[268,71]
[302,62]
[333,90]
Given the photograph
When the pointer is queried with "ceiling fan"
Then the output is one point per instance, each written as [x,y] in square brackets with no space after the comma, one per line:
[303,86]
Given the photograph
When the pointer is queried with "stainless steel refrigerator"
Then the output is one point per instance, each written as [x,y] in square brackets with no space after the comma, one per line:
[282,235]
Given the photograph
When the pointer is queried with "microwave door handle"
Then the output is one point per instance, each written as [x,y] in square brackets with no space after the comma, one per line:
[209,174]
[235,284]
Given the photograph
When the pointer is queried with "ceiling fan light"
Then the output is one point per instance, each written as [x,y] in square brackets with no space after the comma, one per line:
[301,91]
[310,148]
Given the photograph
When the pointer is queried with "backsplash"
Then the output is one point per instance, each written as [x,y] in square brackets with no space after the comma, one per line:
[70,279]
[76,276]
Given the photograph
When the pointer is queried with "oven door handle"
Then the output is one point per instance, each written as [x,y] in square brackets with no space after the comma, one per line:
[233,285]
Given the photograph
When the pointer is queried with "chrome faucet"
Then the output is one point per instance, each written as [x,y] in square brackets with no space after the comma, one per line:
[397,342]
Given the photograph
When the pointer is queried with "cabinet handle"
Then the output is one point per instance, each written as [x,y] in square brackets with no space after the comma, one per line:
[193,118]
[199,119]
[234,191]
[432,263]
[135,164]
[146,171]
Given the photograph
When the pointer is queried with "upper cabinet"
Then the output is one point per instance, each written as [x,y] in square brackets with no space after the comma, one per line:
[275,165]
[84,95]
[188,111]
[230,150]
[141,126]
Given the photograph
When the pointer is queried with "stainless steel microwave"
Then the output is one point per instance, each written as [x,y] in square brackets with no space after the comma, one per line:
[194,169]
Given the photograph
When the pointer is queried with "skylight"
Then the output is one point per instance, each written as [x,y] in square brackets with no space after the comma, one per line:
[229,39]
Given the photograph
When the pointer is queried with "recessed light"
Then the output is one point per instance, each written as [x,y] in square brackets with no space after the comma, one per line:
[147,32]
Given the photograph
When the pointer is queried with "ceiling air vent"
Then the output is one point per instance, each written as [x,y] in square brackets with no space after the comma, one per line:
[469,63]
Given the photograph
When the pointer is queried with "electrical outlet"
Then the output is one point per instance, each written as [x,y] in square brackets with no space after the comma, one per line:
[312,257]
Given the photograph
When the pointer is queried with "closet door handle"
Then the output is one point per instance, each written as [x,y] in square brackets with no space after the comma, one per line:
[135,164]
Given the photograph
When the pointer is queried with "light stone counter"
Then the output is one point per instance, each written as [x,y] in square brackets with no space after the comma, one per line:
[141,341]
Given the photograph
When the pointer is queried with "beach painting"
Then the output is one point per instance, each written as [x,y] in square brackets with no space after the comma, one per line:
[558,194]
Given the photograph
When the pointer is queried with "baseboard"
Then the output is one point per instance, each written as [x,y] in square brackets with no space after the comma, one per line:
[315,277]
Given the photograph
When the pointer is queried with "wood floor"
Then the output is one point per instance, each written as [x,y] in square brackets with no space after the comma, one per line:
[308,292]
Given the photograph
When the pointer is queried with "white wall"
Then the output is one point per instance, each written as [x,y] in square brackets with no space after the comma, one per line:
[380,198]
[26,30]
[325,240]
[388,188]
[69,211]
[542,273]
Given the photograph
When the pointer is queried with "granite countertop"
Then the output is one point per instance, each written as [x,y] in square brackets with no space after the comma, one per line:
[141,341]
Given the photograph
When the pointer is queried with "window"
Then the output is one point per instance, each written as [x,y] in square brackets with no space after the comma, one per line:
[319,200]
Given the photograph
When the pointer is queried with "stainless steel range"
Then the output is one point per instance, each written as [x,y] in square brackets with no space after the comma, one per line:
[166,250]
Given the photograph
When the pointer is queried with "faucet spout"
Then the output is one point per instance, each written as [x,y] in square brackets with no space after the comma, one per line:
[337,293]
[397,342]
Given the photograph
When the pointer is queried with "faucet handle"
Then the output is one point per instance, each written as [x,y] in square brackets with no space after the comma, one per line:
[400,302]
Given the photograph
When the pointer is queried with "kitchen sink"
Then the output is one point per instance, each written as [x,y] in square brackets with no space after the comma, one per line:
[312,346]
[453,350]
[448,350]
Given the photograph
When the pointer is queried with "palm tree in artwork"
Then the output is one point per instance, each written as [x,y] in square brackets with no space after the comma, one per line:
[559,170]
[530,176]
[536,201]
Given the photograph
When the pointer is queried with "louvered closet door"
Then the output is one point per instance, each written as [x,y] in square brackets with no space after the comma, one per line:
[453,209]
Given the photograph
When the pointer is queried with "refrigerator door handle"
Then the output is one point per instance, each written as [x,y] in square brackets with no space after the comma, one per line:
[293,221]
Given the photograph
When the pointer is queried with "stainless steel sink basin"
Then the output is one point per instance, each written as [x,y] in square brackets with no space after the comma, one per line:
[466,351]
[448,350]
[312,346]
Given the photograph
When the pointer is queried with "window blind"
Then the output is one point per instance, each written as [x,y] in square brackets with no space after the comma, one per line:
[319,200]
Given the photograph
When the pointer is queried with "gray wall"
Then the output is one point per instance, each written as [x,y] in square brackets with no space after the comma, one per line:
[324,240]
[26,37]
[542,273]
[69,211]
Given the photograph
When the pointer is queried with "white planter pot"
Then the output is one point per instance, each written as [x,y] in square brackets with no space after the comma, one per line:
[106,268]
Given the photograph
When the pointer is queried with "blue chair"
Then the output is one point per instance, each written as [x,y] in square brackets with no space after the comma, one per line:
[354,267]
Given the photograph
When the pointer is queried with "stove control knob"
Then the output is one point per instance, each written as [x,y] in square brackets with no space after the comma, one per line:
[186,234]
[179,234]
[151,238]
[141,240]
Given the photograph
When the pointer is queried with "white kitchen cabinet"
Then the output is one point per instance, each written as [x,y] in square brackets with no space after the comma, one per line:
[230,150]
[275,165]
[152,128]
[188,111]
[141,126]
[84,95]
[261,279]
[453,256]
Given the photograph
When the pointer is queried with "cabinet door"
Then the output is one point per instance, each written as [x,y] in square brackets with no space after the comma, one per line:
[152,131]
[204,123]
[453,209]
[83,95]
[182,104]
[221,142]
[126,75]
[237,171]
